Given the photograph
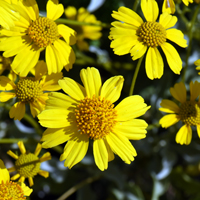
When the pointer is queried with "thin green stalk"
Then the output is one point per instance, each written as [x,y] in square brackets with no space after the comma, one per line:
[12,140]
[135,76]
[135,5]
[190,41]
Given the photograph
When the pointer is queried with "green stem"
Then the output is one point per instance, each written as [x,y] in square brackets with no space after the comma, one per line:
[182,16]
[135,76]
[11,140]
[135,5]
[191,25]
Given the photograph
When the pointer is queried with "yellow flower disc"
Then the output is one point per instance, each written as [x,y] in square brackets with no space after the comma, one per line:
[28,165]
[95,117]
[28,90]
[152,34]
[190,113]
[43,31]
[11,191]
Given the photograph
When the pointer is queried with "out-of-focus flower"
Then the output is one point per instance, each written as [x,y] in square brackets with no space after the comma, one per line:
[132,35]
[197,63]
[188,111]
[29,90]
[33,34]
[10,189]
[88,113]
[27,164]
[84,31]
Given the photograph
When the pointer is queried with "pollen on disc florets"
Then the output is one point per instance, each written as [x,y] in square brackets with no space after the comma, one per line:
[11,191]
[43,31]
[95,117]
[152,34]
[27,165]
[28,90]
[190,113]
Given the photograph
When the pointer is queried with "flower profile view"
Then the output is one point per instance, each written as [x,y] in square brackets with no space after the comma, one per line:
[188,111]
[28,164]
[88,114]
[9,189]
[132,35]
[84,31]
[33,34]
[29,90]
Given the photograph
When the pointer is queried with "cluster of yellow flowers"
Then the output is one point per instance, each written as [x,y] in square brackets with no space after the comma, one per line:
[85,113]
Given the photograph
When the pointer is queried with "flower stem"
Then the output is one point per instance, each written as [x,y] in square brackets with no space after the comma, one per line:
[135,76]
[135,5]
[11,140]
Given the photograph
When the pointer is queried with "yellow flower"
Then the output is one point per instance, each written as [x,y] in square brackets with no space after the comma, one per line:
[10,189]
[88,113]
[197,63]
[33,34]
[27,164]
[136,37]
[31,90]
[188,111]
[84,32]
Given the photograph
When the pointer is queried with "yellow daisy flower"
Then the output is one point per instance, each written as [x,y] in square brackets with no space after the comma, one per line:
[136,37]
[88,113]
[197,63]
[33,34]
[29,90]
[27,164]
[188,111]
[84,32]
[9,189]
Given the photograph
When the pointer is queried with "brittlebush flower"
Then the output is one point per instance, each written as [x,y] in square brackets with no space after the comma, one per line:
[9,189]
[197,63]
[133,35]
[84,31]
[33,34]
[28,164]
[88,113]
[188,111]
[29,90]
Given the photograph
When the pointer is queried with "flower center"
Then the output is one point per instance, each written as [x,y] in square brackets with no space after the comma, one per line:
[28,90]
[43,32]
[11,190]
[152,34]
[190,113]
[95,117]
[28,165]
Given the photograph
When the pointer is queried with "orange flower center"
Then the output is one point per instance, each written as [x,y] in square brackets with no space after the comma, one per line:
[152,34]
[11,190]
[27,165]
[190,113]
[43,32]
[95,117]
[28,90]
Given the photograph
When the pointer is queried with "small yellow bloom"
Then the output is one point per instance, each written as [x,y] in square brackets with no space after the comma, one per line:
[84,32]
[132,35]
[9,189]
[29,90]
[197,63]
[33,34]
[27,164]
[88,113]
[188,111]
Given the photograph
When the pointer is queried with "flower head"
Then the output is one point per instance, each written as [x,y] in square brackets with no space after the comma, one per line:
[29,90]
[197,63]
[33,34]
[83,32]
[188,111]
[27,164]
[137,37]
[9,189]
[88,113]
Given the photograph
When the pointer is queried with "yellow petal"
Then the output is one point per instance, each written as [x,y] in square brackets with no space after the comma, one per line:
[194,90]
[21,147]
[197,62]
[169,120]
[27,191]
[198,130]
[184,135]
[6,83]
[45,157]
[154,63]
[169,106]
[111,89]
[111,155]
[70,12]
[168,6]
[100,154]
[167,20]
[38,149]
[150,10]
[43,173]
[4,174]
[138,50]
[5,96]
[173,58]
[17,111]
[39,70]
[179,92]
